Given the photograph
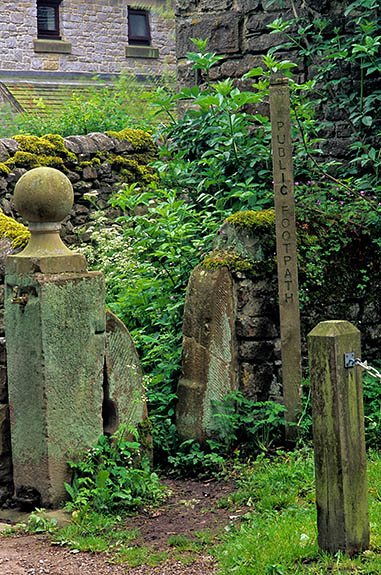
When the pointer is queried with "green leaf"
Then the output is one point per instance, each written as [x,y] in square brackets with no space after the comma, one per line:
[367,120]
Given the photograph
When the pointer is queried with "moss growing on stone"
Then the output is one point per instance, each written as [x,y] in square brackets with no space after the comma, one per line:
[228,259]
[34,145]
[24,159]
[141,141]
[4,169]
[251,220]
[49,145]
[131,171]
[144,149]
[17,233]
[29,160]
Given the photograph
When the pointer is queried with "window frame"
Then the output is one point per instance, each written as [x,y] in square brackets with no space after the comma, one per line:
[50,34]
[133,39]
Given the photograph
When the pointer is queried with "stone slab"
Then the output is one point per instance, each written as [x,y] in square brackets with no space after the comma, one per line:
[209,355]
[124,398]
[56,380]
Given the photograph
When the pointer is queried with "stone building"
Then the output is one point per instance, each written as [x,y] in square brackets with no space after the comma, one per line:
[50,43]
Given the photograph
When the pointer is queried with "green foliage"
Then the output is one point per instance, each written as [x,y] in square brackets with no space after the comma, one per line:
[112,476]
[241,427]
[94,109]
[192,459]
[94,532]
[345,66]
[167,235]
[38,522]
[252,426]
[210,152]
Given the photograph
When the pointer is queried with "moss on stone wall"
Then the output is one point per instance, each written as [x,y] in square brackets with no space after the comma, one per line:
[29,160]
[48,145]
[144,149]
[229,259]
[141,141]
[132,171]
[17,233]
[4,169]
[251,220]
[50,150]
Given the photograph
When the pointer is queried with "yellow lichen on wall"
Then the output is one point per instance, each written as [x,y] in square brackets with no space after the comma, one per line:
[17,233]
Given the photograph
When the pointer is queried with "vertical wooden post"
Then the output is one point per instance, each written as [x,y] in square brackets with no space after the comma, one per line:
[286,250]
[339,440]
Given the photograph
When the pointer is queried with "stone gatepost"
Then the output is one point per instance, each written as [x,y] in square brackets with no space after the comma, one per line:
[230,333]
[339,439]
[55,323]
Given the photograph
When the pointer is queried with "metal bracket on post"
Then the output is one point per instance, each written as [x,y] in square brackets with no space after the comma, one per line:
[349,360]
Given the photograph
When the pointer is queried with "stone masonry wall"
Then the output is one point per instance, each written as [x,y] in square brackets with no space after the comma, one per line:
[97,31]
[95,164]
[237,29]
[250,308]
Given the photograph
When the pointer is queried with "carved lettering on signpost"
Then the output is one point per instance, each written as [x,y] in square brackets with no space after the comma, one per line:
[286,249]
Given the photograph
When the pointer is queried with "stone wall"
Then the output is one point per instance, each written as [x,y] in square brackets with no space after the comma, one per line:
[95,164]
[237,284]
[237,29]
[94,39]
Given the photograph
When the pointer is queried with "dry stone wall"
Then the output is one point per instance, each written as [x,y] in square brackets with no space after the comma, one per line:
[95,164]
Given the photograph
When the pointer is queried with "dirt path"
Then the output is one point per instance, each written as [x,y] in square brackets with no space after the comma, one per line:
[192,507]
[33,555]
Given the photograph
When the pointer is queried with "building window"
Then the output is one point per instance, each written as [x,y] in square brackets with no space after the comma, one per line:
[48,21]
[138,27]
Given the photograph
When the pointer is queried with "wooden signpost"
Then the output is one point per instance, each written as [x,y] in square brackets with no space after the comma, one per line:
[286,250]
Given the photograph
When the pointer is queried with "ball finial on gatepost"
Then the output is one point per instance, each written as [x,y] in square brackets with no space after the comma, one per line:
[44,197]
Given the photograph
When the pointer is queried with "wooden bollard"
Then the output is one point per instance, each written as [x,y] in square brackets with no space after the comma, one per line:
[339,439]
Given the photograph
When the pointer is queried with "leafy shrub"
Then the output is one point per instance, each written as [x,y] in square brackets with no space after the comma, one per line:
[167,235]
[214,161]
[38,522]
[252,426]
[112,476]
[94,109]
[241,427]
